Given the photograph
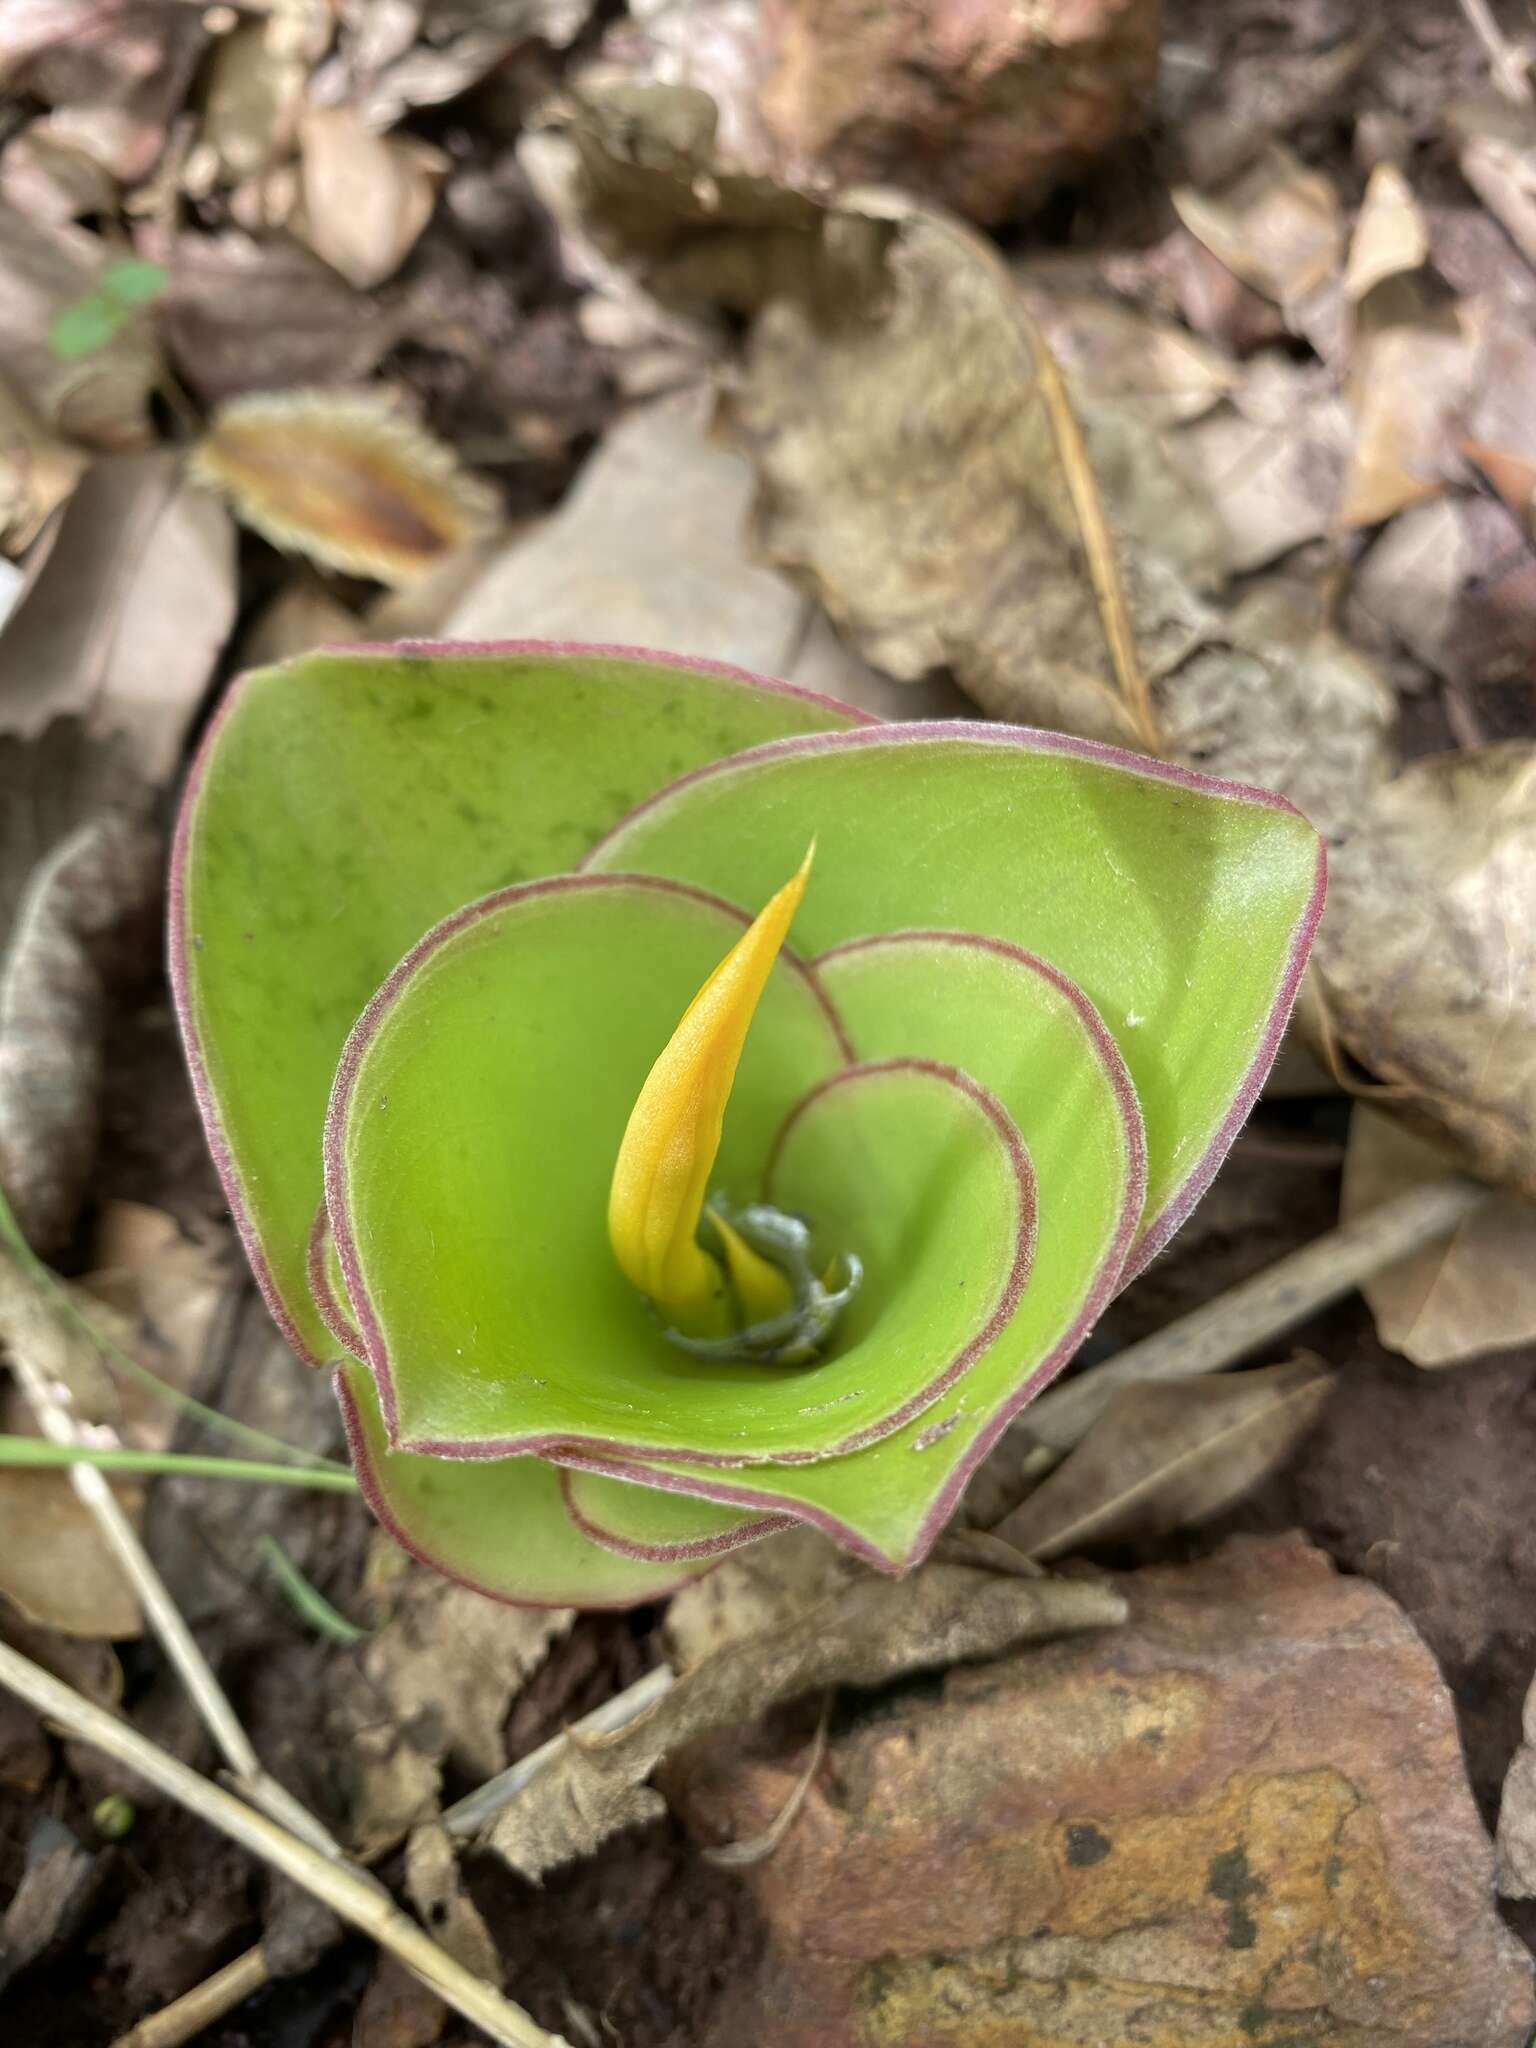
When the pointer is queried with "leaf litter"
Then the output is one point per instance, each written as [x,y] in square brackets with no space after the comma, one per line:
[1239,467]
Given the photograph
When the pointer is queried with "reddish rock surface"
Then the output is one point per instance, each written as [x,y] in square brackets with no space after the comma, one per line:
[1187,1833]
[983,104]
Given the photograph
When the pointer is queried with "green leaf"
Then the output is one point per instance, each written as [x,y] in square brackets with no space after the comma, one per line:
[668,1528]
[500,1527]
[478,1112]
[341,806]
[1180,905]
[132,281]
[1032,1040]
[86,326]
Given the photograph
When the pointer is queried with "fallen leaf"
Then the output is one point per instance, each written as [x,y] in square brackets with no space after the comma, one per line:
[1277,697]
[367,197]
[1391,235]
[651,548]
[431,1686]
[55,1566]
[716,46]
[1112,353]
[302,616]
[1517,1813]
[1276,225]
[1513,476]
[101,399]
[1427,954]
[436,1889]
[58,1881]
[167,1284]
[397,2010]
[1495,143]
[240,315]
[1411,371]
[347,478]
[760,1588]
[1465,1295]
[38,470]
[253,97]
[1455,582]
[85,925]
[125,611]
[1263,94]
[53,181]
[1272,461]
[1170,1457]
[114,76]
[869,1633]
[384,77]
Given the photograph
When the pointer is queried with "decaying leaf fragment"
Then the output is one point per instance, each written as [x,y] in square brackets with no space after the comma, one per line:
[367,196]
[1165,1457]
[871,1631]
[1277,225]
[87,919]
[346,478]
[1468,1294]
[1427,954]
[1495,142]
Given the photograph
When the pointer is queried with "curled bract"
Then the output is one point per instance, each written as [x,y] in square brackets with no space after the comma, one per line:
[436,914]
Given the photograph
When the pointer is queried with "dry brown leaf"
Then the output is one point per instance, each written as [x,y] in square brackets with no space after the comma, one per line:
[1411,371]
[58,1880]
[1168,1457]
[86,922]
[38,471]
[872,1631]
[52,181]
[1112,353]
[1277,225]
[1512,474]
[1391,235]
[1468,1294]
[436,1889]
[432,1685]
[1276,697]
[240,315]
[101,399]
[55,1567]
[127,605]
[166,1284]
[1455,581]
[347,478]
[1427,953]
[1517,1813]
[1495,143]
[1272,462]
[367,197]
[115,75]
[1261,94]
[253,97]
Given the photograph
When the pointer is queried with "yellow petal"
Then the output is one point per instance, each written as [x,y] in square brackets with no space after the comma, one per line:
[662,1173]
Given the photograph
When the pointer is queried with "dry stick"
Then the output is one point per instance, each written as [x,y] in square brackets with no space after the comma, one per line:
[201,2007]
[350,1893]
[1250,1314]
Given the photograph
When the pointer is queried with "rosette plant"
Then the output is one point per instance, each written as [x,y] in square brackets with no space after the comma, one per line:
[650,1184]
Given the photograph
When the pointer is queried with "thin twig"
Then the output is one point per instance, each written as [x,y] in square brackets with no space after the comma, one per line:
[1250,1314]
[201,2007]
[350,1893]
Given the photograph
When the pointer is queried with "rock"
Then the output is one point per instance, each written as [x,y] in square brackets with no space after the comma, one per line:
[982,104]
[1241,1821]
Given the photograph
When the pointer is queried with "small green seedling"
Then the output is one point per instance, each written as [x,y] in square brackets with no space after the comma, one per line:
[650,1183]
[90,324]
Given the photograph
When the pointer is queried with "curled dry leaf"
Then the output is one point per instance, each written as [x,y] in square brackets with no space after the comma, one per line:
[1454,580]
[38,470]
[1427,954]
[1276,225]
[436,1889]
[1167,1457]
[1391,235]
[1512,474]
[1470,1293]
[125,610]
[367,197]
[870,1632]
[254,94]
[114,76]
[86,922]
[1495,143]
[1411,371]
[347,478]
